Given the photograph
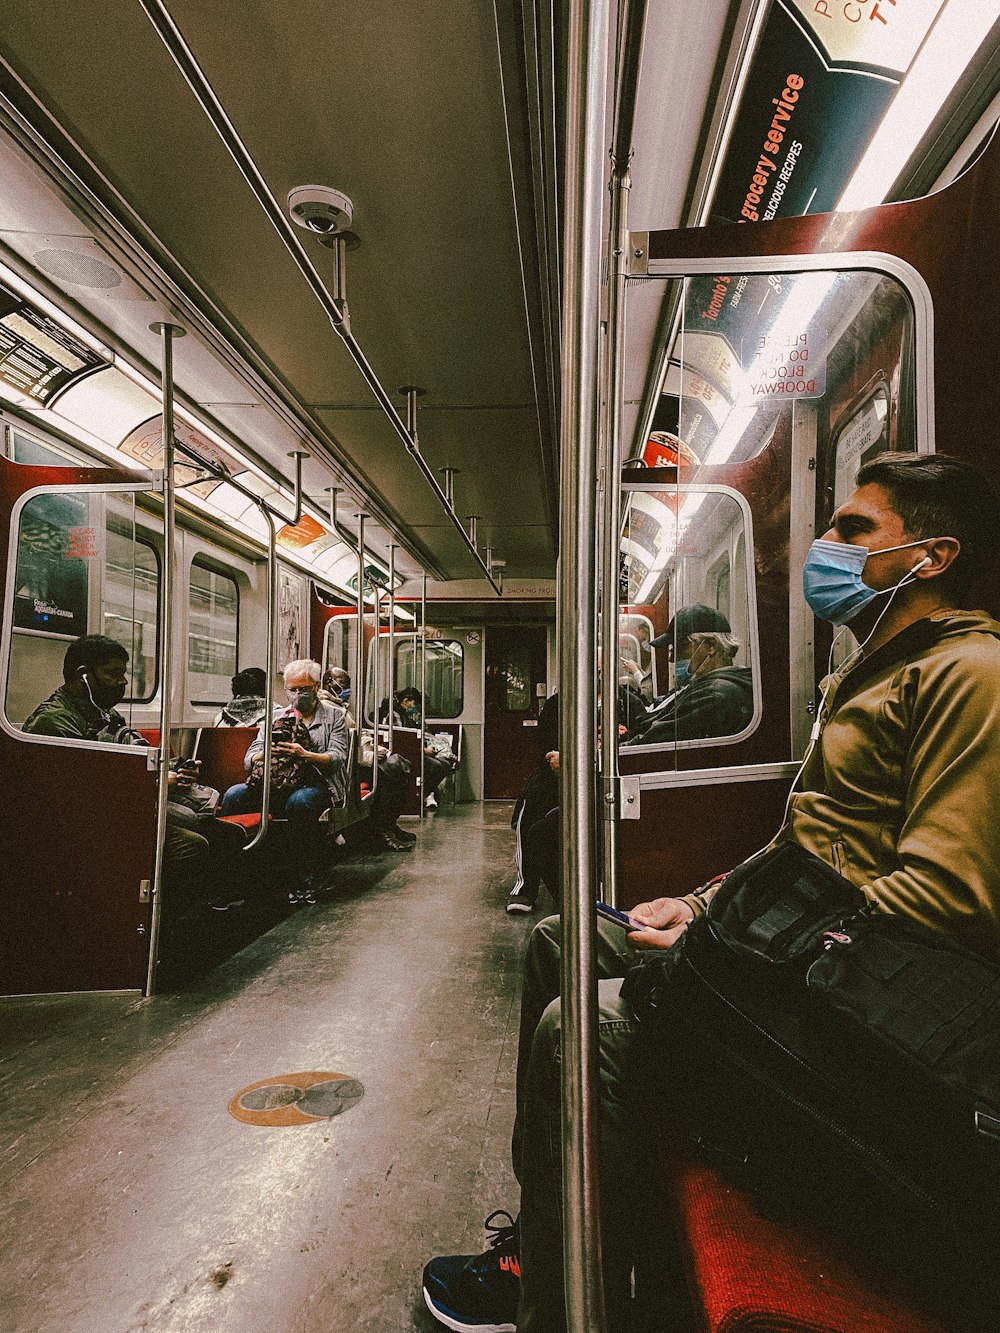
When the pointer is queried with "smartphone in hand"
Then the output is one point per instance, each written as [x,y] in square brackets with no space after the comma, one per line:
[617,918]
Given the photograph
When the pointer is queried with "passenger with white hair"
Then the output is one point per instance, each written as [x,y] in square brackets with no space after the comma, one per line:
[321,774]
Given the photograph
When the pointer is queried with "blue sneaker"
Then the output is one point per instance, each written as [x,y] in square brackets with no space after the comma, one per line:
[478,1293]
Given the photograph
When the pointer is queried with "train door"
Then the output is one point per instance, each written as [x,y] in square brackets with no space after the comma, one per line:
[515,691]
[78,826]
[780,381]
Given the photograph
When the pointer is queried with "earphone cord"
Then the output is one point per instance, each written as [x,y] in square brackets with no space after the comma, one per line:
[847,665]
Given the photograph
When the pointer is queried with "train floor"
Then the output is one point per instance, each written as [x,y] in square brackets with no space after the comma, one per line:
[132,1199]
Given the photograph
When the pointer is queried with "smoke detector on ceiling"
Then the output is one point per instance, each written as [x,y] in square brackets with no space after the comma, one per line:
[320,209]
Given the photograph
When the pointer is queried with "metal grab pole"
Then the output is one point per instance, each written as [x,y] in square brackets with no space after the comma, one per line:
[391,682]
[376,677]
[631,32]
[271,623]
[586,82]
[423,684]
[167,334]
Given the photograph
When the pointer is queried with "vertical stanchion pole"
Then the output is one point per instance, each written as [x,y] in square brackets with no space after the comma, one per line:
[271,638]
[610,524]
[167,332]
[586,86]
[423,685]
[391,682]
[360,683]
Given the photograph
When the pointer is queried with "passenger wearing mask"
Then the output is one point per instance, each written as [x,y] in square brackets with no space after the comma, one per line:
[95,678]
[322,769]
[711,697]
[439,760]
[248,705]
[393,776]
[895,794]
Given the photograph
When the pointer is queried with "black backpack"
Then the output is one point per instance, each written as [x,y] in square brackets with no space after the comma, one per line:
[843,1065]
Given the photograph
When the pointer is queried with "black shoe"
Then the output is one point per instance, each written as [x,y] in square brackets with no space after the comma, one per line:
[478,1293]
[519,900]
[401,834]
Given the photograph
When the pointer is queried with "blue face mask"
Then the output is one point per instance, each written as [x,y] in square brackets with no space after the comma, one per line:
[682,672]
[832,582]
[345,694]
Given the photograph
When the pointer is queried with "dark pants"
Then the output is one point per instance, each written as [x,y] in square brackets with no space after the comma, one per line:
[628,1143]
[302,809]
[538,853]
[435,772]
[390,792]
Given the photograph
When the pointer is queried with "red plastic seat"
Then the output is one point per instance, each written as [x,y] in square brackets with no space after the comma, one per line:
[752,1275]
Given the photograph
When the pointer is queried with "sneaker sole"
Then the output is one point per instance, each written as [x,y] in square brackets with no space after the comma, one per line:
[463,1326]
[520,907]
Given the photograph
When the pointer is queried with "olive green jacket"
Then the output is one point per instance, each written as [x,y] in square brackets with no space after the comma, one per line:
[900,794]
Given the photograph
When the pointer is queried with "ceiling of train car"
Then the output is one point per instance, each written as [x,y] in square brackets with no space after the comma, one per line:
[422,116]
[406,115]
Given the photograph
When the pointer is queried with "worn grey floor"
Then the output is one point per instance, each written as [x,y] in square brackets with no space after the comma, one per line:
[132,1200]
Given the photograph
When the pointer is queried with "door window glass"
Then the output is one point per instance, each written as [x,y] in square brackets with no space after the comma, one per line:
[213,634]
[83,566]
[444,679]
[777,387]
[130,607]
[675,545]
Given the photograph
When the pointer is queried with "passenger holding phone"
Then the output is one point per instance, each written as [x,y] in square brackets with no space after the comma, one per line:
[896,794]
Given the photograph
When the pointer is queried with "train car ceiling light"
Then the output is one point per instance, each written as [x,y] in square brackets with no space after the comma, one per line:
[960,30]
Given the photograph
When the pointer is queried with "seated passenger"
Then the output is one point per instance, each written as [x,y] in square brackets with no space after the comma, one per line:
[321,781]
[895,797]
[246,707]
[438,761]
[712,697]
[393,776]
[95,675]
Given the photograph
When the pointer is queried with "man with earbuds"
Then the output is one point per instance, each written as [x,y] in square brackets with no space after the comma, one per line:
[896,793]
[95,679]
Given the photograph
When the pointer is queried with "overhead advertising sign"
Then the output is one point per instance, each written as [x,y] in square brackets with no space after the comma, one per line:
[145,445]
[822,77]
[37,357]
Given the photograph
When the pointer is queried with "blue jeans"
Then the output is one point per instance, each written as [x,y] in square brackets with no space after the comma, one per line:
[302,810]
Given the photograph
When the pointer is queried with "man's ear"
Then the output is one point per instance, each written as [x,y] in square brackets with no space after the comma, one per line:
[942,553]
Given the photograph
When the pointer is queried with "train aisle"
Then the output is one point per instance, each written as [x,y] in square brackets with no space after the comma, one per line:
[133,1199]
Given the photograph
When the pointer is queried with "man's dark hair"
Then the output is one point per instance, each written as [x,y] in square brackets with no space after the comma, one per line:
[939,496]
[91,651]
[251,682]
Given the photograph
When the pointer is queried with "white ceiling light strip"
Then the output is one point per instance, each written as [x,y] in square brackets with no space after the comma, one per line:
[959,31]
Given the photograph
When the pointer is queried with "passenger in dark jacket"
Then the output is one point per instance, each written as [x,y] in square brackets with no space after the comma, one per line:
[716,701]
[896,794]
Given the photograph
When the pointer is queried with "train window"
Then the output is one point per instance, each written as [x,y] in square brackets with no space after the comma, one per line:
[81,567]
[676,543]
[515,673]
[341,644]
[443,685]
[27,449]
[213,633]
[636,660]
[129,605]
[778,385]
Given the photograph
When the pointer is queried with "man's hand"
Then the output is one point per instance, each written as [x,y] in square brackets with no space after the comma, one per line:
[667,919]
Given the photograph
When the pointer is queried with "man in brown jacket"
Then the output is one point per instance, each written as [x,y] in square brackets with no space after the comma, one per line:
[895,794]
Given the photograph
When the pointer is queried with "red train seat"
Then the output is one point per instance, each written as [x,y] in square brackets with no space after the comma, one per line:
[749,1274]
[222,751]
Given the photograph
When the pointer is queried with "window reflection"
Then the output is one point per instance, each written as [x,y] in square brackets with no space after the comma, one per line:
[684,562]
